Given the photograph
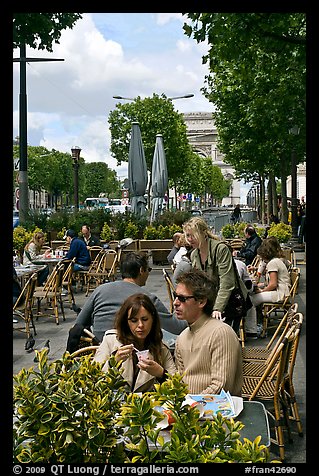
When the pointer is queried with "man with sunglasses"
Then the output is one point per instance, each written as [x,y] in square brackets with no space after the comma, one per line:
[207,352]
[99,310]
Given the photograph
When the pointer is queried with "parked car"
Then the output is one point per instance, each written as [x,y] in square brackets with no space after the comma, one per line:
[15,218]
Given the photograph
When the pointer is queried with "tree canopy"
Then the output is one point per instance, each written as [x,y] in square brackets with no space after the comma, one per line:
[41,30]
[257,81]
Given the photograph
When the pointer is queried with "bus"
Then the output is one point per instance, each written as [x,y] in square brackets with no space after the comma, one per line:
[92,203]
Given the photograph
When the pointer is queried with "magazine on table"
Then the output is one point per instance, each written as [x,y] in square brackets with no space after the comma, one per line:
[212,404]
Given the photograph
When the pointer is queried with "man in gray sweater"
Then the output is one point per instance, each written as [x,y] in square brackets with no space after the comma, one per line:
[100,308]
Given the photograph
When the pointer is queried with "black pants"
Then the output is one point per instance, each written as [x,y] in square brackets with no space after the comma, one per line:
[234,323]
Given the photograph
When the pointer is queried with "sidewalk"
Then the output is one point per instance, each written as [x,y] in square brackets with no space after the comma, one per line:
[58,335]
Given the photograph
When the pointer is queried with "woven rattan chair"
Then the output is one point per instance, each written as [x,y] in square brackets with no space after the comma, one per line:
[269,386]
[170,289]
[83,275]
[67,279]
[262,353]
[105,271]
[89,350]
[271,309]
[24,304]
[94,251]
[51,292]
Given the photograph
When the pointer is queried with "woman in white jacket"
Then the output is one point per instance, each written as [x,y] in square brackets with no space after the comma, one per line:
[137,328]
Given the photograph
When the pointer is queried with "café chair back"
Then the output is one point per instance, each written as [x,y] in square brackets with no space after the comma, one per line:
[94,251]
[269,387]
[51,292]
[105,271]
[89,350]
[24,304]
[67,279]
[262,353]
[170,289]
[83,275]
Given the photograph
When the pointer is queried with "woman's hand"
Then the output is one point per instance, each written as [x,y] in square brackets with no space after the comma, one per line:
[217,315]
[123,353]
[151,367]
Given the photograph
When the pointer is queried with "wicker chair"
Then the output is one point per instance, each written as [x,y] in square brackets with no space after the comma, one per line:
[89,350]
[105,271]
[23,306]
[51,292]
[68,278]
[83,275]
[262,353]
[270,386]
[170,289]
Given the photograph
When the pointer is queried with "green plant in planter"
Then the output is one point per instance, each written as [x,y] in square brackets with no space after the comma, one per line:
[150,233]
[191,440]
[66,411]
[70,411]
[281,231]
[106,233]
[228,231]
[131,230]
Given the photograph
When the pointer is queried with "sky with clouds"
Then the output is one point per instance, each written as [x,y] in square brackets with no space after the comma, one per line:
[107,54]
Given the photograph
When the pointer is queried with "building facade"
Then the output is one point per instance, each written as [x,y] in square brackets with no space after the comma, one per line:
[202,135]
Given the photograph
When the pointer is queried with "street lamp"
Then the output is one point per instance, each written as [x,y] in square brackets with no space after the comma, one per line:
[171,99]
[294,225]
[76,157]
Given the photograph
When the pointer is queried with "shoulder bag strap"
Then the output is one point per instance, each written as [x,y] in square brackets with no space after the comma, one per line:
[234,264]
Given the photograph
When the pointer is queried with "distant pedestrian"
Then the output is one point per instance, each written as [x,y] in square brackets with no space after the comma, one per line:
[236,215]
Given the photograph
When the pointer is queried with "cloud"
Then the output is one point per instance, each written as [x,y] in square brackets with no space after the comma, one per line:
[105,55]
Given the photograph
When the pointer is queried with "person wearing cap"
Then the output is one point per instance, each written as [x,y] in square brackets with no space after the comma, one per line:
[78,250]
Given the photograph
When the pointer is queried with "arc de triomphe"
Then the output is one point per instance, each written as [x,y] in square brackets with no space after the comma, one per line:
[202,135]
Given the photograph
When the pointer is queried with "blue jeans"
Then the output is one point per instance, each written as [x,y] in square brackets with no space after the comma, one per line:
[80,267]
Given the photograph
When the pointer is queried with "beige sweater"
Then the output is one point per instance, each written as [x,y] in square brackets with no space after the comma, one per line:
[209,353]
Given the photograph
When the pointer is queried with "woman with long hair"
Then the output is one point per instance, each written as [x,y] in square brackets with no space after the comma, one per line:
[137,328]
[215,258]
[32,252]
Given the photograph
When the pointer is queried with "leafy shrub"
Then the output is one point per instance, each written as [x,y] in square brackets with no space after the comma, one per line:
[228,231]
[131,230]
[281,231]
[69,410]
[106,233]
[150,233]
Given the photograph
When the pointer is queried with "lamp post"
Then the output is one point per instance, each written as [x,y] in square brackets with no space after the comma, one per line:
[294,225]
[76,157]
[186,96]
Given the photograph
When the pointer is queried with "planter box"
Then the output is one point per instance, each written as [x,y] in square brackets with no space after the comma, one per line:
[158,248]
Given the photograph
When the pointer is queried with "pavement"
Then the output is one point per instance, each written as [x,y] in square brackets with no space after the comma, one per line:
[58,335]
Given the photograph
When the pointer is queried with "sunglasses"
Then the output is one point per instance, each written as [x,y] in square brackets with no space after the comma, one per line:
[182,298]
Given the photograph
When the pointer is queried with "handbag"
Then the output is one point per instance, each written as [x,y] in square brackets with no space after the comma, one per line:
[237,305]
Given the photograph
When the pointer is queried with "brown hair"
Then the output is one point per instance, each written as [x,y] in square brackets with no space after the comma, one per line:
[270,248]
[201,286]
[36,240]
[153,341]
